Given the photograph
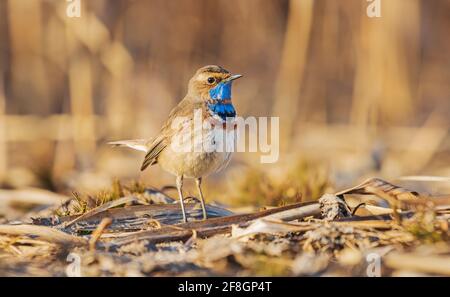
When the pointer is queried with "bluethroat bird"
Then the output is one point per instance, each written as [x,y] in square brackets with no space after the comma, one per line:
[195,155]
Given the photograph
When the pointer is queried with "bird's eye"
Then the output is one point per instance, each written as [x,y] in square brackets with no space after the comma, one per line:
[211,80]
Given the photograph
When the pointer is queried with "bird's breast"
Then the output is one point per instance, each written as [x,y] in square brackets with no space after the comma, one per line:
[222,110]
[200,151]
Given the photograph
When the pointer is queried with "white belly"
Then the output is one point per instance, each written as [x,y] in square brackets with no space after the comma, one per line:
[199,154]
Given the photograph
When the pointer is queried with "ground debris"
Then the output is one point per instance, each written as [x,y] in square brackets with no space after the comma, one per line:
[140,234]
[333,207]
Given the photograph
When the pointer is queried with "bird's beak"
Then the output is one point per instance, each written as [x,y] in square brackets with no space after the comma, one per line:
[233,77]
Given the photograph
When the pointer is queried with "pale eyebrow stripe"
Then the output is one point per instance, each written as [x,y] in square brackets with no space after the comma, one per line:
[205,75]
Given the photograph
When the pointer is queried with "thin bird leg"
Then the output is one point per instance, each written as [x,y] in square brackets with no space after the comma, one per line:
[180,196]
[198,182]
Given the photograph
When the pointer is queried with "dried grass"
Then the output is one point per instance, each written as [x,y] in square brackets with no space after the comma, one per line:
[298,239]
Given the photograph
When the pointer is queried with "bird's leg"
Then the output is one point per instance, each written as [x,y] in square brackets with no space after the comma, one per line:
[180,196]
[198,182]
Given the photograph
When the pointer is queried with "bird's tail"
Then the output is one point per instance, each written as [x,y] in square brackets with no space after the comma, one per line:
[136,144]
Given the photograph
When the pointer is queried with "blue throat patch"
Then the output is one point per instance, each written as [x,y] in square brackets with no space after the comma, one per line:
[222,92]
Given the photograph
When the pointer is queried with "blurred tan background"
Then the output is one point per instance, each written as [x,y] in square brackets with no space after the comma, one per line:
[356,96]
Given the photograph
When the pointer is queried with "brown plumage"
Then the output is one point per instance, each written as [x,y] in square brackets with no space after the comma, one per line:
[190,164]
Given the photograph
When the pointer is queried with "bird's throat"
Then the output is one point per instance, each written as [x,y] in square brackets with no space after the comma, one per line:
[220,103]
[222,91]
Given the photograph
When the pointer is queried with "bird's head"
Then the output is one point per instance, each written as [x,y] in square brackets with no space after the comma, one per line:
[212,84]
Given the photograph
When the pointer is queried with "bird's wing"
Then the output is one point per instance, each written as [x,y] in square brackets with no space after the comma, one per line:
[156,148]
[184,110]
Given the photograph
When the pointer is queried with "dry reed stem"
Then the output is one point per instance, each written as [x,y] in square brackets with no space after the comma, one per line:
[44,233]
[98,232]
[101,208]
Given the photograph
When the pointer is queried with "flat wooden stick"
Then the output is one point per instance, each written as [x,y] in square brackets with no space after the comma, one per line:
[222,225]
